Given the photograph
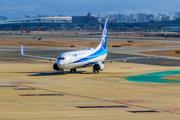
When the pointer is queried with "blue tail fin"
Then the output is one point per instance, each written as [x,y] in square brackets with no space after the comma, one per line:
[103,43]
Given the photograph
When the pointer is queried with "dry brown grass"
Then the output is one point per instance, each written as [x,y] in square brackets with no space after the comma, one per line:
[56,42]
[172,78]
[165,53]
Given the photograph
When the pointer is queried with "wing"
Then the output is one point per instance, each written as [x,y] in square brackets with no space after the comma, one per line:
[128,58]
[22,53]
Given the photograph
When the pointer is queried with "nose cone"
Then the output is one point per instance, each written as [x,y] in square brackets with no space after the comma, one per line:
[63,61]
[60,64]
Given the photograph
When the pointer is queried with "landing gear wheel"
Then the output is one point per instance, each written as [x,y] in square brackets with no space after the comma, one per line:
[75,70]
[71,71]
[64,73]
[94,71]
[97,71]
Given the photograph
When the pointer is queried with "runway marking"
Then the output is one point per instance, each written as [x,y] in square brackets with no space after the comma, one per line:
[112,101]
[25,89]
[41,95]
[19,103]
[9,86]
[171,63]
[24,82]
[167,62]
[144,111]
[102,106]
[150,61]
[173,109]
[133,101]
[125,68]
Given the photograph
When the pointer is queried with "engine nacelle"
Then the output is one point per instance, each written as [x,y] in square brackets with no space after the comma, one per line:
[98,67]
[55,67]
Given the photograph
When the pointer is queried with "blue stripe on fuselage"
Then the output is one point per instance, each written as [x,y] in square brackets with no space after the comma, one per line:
[92,56]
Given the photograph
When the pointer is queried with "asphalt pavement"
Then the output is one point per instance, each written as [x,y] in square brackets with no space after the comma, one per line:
[14,53]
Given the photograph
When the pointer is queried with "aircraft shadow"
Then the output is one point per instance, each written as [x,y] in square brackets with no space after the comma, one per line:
[60,73]
[85,72]
[55,73]
[18,72]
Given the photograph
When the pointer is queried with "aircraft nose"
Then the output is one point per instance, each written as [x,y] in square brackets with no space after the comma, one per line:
[60,63]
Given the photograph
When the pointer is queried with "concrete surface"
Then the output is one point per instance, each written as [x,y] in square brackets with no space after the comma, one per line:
[84,89]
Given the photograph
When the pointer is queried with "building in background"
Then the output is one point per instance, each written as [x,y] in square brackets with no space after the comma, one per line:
[113,16]
[27,16]
[164,18]
[123,17]
[177,15]
[40,20]
[133,17]
[161,17]
[169,18]
[88,22]
[150,17]
[3,18]
[142,17]
[84,19]
[42,15]
[99,16]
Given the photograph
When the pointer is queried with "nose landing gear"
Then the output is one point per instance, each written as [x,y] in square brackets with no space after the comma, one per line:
[64,72]
[71,71]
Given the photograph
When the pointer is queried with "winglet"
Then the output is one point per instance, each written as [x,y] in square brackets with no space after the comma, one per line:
[22,51]
[161,51]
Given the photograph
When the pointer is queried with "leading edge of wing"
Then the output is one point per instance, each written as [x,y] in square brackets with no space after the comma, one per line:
[22,53]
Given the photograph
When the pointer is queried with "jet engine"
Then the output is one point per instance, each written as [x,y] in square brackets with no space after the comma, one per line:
[55,67]
[98,67]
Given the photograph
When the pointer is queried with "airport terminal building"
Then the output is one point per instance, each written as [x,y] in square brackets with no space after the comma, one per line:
[88,22]
[84,19]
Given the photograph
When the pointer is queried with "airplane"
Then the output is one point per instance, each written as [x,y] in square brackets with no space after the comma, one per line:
[86,58]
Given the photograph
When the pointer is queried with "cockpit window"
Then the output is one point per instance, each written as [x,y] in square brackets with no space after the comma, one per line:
[61,58]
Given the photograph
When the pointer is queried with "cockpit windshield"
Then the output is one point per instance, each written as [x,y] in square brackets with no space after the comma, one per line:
[61,58]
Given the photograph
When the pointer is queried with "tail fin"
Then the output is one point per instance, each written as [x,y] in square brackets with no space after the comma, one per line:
[103,43]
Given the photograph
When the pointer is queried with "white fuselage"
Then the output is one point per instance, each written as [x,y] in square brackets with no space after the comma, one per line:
[75,59]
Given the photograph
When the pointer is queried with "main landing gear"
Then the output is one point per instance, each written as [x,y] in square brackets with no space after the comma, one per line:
[73,70]
[95,71]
